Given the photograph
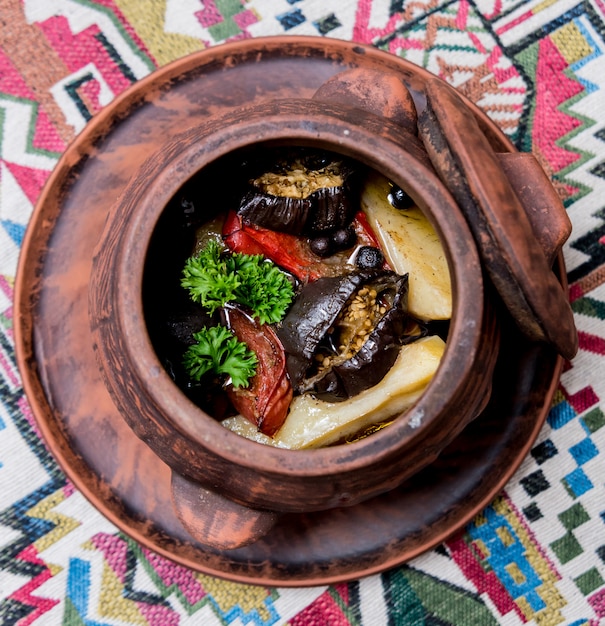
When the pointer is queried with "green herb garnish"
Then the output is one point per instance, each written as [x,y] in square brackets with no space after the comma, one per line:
[215,279]
[217,350]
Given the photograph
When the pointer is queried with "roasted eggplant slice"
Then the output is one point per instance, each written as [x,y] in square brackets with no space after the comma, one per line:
[301,195]
[279,213]
[343,334]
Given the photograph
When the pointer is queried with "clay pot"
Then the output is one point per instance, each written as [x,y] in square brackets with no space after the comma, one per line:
[244,485]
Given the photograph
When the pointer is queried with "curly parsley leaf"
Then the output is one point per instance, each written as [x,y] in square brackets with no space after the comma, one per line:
[218,351]
[209,279]
[215,278]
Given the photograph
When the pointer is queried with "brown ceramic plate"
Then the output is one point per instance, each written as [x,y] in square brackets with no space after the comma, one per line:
[89,438]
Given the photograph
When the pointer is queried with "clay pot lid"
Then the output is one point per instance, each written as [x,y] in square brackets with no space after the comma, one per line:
[510,252]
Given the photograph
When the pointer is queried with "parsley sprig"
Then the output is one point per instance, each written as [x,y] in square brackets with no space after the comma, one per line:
[219,351]
[215,278]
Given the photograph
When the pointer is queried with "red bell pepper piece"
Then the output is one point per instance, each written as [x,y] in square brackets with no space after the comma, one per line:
[365,234]
[265,402]
[290,252]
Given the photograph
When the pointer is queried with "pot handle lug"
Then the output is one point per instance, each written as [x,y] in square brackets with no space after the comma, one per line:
[547,215]
[214,520]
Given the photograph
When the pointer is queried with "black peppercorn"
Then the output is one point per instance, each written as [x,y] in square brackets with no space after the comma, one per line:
[369,257]
[344,238]
[400,199]
[321,246]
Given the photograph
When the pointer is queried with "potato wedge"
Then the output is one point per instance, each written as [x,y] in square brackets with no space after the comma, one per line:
[313,423]
[410,245]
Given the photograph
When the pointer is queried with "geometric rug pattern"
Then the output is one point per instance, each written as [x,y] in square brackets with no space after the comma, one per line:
[536,555]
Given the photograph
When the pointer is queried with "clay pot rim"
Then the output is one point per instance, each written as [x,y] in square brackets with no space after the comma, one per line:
[188,158]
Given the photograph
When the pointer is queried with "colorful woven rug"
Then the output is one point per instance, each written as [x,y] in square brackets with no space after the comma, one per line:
[536,555]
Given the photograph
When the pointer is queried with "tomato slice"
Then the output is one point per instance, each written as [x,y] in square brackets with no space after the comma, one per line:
[265,402]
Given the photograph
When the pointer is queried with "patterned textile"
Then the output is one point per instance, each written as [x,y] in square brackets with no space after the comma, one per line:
[536,555]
